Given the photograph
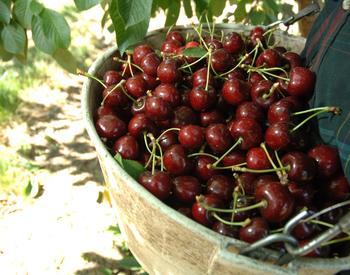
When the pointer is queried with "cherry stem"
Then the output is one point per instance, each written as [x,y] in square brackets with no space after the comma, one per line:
[326,224]
[202,154]
[111,91]
[234,206]
[235,67]
[244,169]
[284,179]
[153,154]
[243,224]
[79,72]
[125,61]
[263,146]
[272,91]
[208,70]
[240,185]
[200,37]
[147,145]
[333,110]
[129,65]
[226,167]
[262,203]
[193,63]
[339,240]
[166,131]
[239,141]
[278,230]
[161,156]
[276,69]
[128,96]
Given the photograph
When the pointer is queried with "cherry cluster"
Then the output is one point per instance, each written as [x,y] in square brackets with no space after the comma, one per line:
[224,131]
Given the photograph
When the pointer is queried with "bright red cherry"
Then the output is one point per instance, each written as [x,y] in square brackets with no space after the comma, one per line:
[257,159]
[218,137]
[136,86]
[127,147]
[157,108]
[175,36]
[249,130]
[233,43]
[202,100]
[114,97]
[111,78]
[257,33]
[277,136]
[221,60]
[203,170]
[337,188]
[168,139]
[269,58]
[264,93]
[221,186]
[175,160]
[170,46]
[150,63]
[168,72]
[257,229]
[211,117]
[199,78]
[293,59]
[169,93]
[186,188]
[235,91]
[139,124]
[140,52]
[203,216]
[251,110]
[110,127]
[224,229]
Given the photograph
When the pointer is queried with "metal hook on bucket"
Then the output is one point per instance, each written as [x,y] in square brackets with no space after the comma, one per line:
[291,243]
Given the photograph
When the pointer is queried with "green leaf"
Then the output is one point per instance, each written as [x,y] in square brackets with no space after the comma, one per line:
[272,5]
[42,42]
[28,189]
[132,167]
[202,8]
[22,12]
[173,12]
[36,7]
[5,13]
[5,56]
[127,36]
[129,263]
[217,6]
[83,5]
[240,12]
[66,60]
[14,38]
[256,17]
[104,19]
[56,28]
[194,52]
[134,12]
[188,8]
[115,230]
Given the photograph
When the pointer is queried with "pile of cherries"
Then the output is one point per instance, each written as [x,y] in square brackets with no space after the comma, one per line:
[226,136]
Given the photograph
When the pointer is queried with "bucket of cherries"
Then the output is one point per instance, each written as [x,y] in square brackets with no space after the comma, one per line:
[207,144]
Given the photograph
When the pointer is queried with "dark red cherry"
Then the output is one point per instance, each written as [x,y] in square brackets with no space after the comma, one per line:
[170,46]
[320,252]
[111,78]
[221,186]
[337,188]
[186,188]
[280,49]
[127,147]
[199,78]
[169,93]
[175,160]
[302,168]
[257,159]
[184,115]
[233,43]
[114,97]
[247,181]
[221,60]
[256,181]
[280,203]
[264,93]
[251,110]
[257,33]
[235,91]
[327,158]
[110,126]
[233,158]
[214,43]
[191,136]
[203,216]
[303,194]
[201,99]
[203,170]
[168,139]
[139,124]
[302,82]
[138,106]
[151,81]
[176,36]
[304,230]
[210,117]
[269,58]
[140,52]
[293,59]
[254,231]
[238,74]
[280,111]
[158,184]
[104,110]
[187,211]
[168,71]
[157,108]
[277,136]
[136,86]
[224,229]
[218,137]
[150,63]
[248,129]
[255,78]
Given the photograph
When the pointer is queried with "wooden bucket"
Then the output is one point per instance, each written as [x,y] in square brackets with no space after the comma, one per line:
[165,241]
